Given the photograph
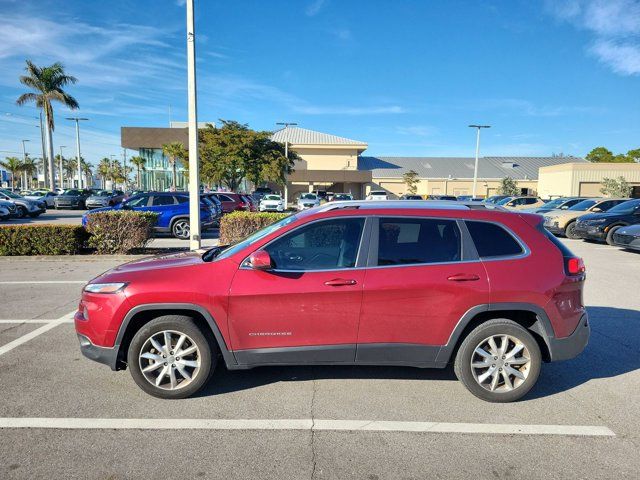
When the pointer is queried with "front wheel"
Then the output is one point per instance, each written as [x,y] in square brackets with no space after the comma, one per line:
[180,229]
[570,231]
[499,361]
[610,233]
[170,357]
[22,211]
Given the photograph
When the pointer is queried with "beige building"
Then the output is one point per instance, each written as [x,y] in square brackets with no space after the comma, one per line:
[585,179]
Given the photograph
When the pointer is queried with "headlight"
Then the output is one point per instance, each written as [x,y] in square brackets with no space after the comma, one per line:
[104,287]
[596,222]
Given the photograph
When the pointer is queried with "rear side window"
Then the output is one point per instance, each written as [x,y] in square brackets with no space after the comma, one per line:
[163,200]
[406,241]
[492,240]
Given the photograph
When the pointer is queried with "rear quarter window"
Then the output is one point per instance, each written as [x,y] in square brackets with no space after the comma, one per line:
[492,240]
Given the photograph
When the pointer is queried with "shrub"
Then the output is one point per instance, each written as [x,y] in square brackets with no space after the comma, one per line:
[43,239]
[237,225]
[120,231]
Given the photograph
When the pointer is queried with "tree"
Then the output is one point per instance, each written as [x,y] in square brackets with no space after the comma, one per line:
[29,167]
[104,170]
[603,155]
[48,84]
[139,162]
[411,180]
[508,186]
[14,166]
[175,152]
[87,171]
[616,187]
[634,155]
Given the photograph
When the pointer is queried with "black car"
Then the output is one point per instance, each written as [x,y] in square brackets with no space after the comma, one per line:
[602,226]
[442,197]
[409,196]
[627,237]
[73,198]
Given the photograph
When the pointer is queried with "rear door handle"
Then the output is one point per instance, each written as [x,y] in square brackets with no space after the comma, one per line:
[464,277]
[338,282]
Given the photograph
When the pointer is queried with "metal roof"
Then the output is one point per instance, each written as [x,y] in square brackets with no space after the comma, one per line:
[519,168]
[302,136]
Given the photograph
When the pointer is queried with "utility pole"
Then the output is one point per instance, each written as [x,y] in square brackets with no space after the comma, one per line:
[24,159]
[475,169]
[113,177]
[124,168]
[286,154]
[60,166]
[78,120]
[44,154]
[194,171]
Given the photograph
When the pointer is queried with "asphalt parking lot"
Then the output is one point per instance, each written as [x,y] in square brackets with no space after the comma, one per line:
[63,416]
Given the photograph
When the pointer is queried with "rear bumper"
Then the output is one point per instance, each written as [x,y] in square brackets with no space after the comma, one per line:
[573,345]
[104,355]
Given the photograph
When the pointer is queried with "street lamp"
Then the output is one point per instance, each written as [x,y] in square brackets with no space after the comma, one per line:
[24,159]
[475,168]
[78,120]
[286,154]
[60,166]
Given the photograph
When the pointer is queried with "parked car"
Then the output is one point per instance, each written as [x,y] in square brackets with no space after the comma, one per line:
[433,295]
[341,197]
[627,237]
[58,190]
[47,196]
[10,207]
[250,201]
[73,198]
[216,203]
[442,197]
[24,207]
[601,226]
[172,209]
[562,203]
[232,202]
[408,196]
[518,203]
[104,198]
[322,195]
[260,192]
[377,195]
[494,199]
[469,198]
[5,214]
[308,200]
[563,222]
[272,203]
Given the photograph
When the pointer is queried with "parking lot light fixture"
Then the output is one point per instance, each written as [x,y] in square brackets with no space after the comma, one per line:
[475,168]
[78,120]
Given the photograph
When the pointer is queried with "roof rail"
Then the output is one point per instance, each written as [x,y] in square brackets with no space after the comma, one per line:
[413,204]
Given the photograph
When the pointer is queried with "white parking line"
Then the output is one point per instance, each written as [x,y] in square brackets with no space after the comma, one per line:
[45,282]
[36,320]
[300,424]
[38,331]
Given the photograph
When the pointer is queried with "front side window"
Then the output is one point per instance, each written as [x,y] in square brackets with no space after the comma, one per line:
[322,245]
[160,201]
[140,201]
[491,240]
[405,241]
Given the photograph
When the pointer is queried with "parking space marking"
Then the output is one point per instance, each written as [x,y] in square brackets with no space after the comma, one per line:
[38,331]
[45,282]
[301,424]
[36,320]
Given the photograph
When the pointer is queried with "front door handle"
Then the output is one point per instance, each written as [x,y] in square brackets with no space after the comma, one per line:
[338,282]
[464,277]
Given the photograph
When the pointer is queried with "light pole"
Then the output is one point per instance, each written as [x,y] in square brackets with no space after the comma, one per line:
[194,173]
[60,166]
[113,177]
[24,159]
[78,120]
[475,168]
[124,168]
[286,155]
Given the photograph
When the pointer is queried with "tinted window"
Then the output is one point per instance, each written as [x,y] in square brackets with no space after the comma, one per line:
[163,200]
[403,241]
[182,199]
[491,240]
[321,245]
[140,201]
[224,198]
[626,207]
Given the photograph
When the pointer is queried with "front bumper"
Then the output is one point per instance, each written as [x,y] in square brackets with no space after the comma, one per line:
[627,241]
[104,355]
[590,232]
[573,345]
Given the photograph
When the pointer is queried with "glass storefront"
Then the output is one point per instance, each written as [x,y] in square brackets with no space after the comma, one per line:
[158,173]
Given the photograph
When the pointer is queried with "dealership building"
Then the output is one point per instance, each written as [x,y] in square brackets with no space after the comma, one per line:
[333,163]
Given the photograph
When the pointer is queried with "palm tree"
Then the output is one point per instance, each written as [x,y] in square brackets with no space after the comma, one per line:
[71,168]
[175,152]
[87,171]
[104,170]
[29,167]
[13,165]
[48,85]
[139,162]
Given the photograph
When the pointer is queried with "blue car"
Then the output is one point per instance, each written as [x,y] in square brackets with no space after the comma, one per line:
[172,209]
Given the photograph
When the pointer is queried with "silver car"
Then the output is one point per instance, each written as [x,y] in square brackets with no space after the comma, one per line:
[308,200]
[104,198]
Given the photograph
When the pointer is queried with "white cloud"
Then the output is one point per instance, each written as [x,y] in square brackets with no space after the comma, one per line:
[623,58]
[314,7]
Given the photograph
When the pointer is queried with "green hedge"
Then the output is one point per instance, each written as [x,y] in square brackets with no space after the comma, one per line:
[43,239]
[237,225]
[120,231]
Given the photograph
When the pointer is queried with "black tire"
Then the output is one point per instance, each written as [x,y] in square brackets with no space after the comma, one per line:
[34,215]
[22,211]
[182,325]
[569,231]
[180,229]
[476,337]
[610,233]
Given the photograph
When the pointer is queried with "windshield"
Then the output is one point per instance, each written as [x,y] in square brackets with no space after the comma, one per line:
[504,201]
[9,193]
[342,197]
[378,193]
[625,207]
[102,193]
[308,196]
[254,237]
[73,193]
[272,197]
[554,203]
[583,206]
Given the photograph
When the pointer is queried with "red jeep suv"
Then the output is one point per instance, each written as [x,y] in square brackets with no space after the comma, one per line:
[420,284]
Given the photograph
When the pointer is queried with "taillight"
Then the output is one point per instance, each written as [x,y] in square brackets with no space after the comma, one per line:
[574,266]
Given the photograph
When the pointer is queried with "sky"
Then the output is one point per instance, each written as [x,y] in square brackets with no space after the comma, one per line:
[405,76]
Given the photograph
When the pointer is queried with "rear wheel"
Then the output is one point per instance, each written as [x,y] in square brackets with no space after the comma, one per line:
[180,229]
[499,361]
[569,231]
[170,357]
[610,233]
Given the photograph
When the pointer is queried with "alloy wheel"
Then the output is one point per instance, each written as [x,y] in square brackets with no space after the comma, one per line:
[500,363]
[169,360]
[181,229]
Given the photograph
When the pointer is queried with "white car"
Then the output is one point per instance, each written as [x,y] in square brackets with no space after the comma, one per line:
[377,195]
[308,200]
[271,203]
[47,197]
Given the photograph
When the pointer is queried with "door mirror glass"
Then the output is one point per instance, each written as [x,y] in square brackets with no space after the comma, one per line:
[596,209]
[260,260]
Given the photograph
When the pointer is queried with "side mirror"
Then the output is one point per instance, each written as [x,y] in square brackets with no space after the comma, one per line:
[596,209]
[511,204]
[260,260]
